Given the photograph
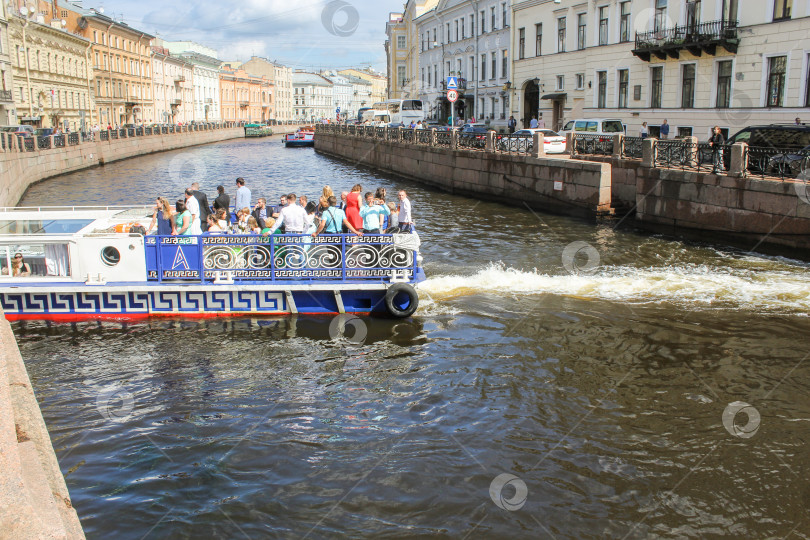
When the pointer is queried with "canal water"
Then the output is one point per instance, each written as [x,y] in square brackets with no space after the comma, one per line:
[561,379]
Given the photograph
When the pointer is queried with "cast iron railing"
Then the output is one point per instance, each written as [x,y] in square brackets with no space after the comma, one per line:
[779,163]
[586,143]
[73,139]
[43,143]
[514,144]
[59,141]
[424,136]
[632,147]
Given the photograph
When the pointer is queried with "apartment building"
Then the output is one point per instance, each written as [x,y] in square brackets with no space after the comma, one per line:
[8,113]
[695,63]
[244,97]
[51,75]
[379,83]
[342,95]
[204,76]
[469,41]
[172,84]
[313,100]
[281,77]
[401,48]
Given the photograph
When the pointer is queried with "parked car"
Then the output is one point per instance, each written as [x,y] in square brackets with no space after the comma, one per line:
[23,130]
[43,132]
[553,142]
[593,126]
[780,149]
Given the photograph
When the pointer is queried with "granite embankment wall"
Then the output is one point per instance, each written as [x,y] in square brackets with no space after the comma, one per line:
[19,169]
[557,185]
[34,500]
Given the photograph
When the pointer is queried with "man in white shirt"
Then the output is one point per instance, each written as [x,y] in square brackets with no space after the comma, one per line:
[292,216]
[533,123]
[194,209]
[404,215]
[242,199]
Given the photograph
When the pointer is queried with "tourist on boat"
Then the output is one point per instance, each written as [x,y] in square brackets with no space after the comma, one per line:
[222,219]
[194,207]
[260,212]
[253,225]
[333,220]
[242,199]
[343,196]
[241,225]
[372,214]
[282,202]
[268,229]
[327,192]
[392,225]
[312,218]
[19,268]
[223,200]
[353,202]
[182,219]
[302,201]
[213,225]
[202,200]
[292,217]
[323,204]
[162,217]
[380,193]
[404,213]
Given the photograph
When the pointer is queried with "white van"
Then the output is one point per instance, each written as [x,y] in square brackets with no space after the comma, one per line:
[593,126]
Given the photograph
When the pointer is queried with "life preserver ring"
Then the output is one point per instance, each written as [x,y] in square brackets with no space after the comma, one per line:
[401,300]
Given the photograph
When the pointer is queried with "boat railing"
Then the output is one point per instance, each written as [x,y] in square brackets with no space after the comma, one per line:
[72,208]
[227,258]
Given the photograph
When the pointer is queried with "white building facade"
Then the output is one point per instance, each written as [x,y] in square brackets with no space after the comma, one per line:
[312,97]
[342,95]
[469,41]
[8,114]
[695,63]
[205,76]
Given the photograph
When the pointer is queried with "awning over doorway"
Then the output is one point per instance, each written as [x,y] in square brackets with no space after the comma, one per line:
[555,96]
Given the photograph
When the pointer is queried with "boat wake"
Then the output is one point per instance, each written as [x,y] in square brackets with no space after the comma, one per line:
[702,287]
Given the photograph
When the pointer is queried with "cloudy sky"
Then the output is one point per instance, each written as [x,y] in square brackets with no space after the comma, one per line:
[308,34]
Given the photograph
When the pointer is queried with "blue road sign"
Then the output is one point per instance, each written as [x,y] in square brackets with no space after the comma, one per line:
[452,83]
[337,110]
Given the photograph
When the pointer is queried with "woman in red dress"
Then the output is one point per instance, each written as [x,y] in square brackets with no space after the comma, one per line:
[353,207]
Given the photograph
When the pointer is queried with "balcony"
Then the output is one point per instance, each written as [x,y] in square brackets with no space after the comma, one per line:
[209,100]
[179,79]
[244,104]
[6,95]
[695,38]
[176,102]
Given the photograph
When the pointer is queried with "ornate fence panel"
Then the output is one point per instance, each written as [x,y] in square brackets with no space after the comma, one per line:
[59,141]
[3,141]
[423,136]
[148,131]
[130,132]
[514,144]
[393,134]
[632,147]
[164,130]
[122,133]
[407,135]
[114,134]
[778,163]
[690,156]
[444,138]
[380,133]
[73,139]
[104,135]
[43,143]
[585,143]
[472,141]
[29,144]
[281,257]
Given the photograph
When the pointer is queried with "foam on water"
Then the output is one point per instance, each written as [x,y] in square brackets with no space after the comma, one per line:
[773,290]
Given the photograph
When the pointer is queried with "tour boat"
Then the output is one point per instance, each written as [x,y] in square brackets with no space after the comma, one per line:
[258,130]
[85,264]
[302,137]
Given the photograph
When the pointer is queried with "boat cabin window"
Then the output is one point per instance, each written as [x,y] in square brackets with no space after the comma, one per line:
[411,105]
[43,226]
[42,259]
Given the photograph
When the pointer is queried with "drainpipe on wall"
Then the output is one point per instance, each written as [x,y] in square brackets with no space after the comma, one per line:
[475,61]
[27,72]
[109,76]
[89,80]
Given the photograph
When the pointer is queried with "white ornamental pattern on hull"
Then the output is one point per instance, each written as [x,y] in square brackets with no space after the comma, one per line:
[299,256]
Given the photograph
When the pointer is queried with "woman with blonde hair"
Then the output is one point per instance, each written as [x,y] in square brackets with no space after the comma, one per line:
[163,217]
[327,192]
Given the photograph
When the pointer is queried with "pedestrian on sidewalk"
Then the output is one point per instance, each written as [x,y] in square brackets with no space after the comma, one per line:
[643,131]
[665,130]
[512,124]
[716,141]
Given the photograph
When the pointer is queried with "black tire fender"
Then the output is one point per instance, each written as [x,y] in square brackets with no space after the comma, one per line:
[399,305]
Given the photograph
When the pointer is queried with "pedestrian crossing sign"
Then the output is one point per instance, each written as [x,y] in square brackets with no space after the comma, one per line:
[452,83]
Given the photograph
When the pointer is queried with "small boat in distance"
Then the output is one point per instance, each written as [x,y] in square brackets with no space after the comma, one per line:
[258,130]
[304,136]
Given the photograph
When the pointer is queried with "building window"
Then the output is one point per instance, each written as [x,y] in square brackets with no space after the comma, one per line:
[401,76]
[483,21]
[560,82]
[561,34]
[463,34]
[538,39]
[521,43]
[504,64]
[688,86]
[660,21]
[624,84]
[504,19]
[581,28]
[457,34]
[400,42]
[447,33]
[782,9]
[624,22]
[580,81]
[601,99]
[684,132]
[657,74]
[776,80]
[494,61]
[483,67]
[492,18]
[603,25]
[724,84]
